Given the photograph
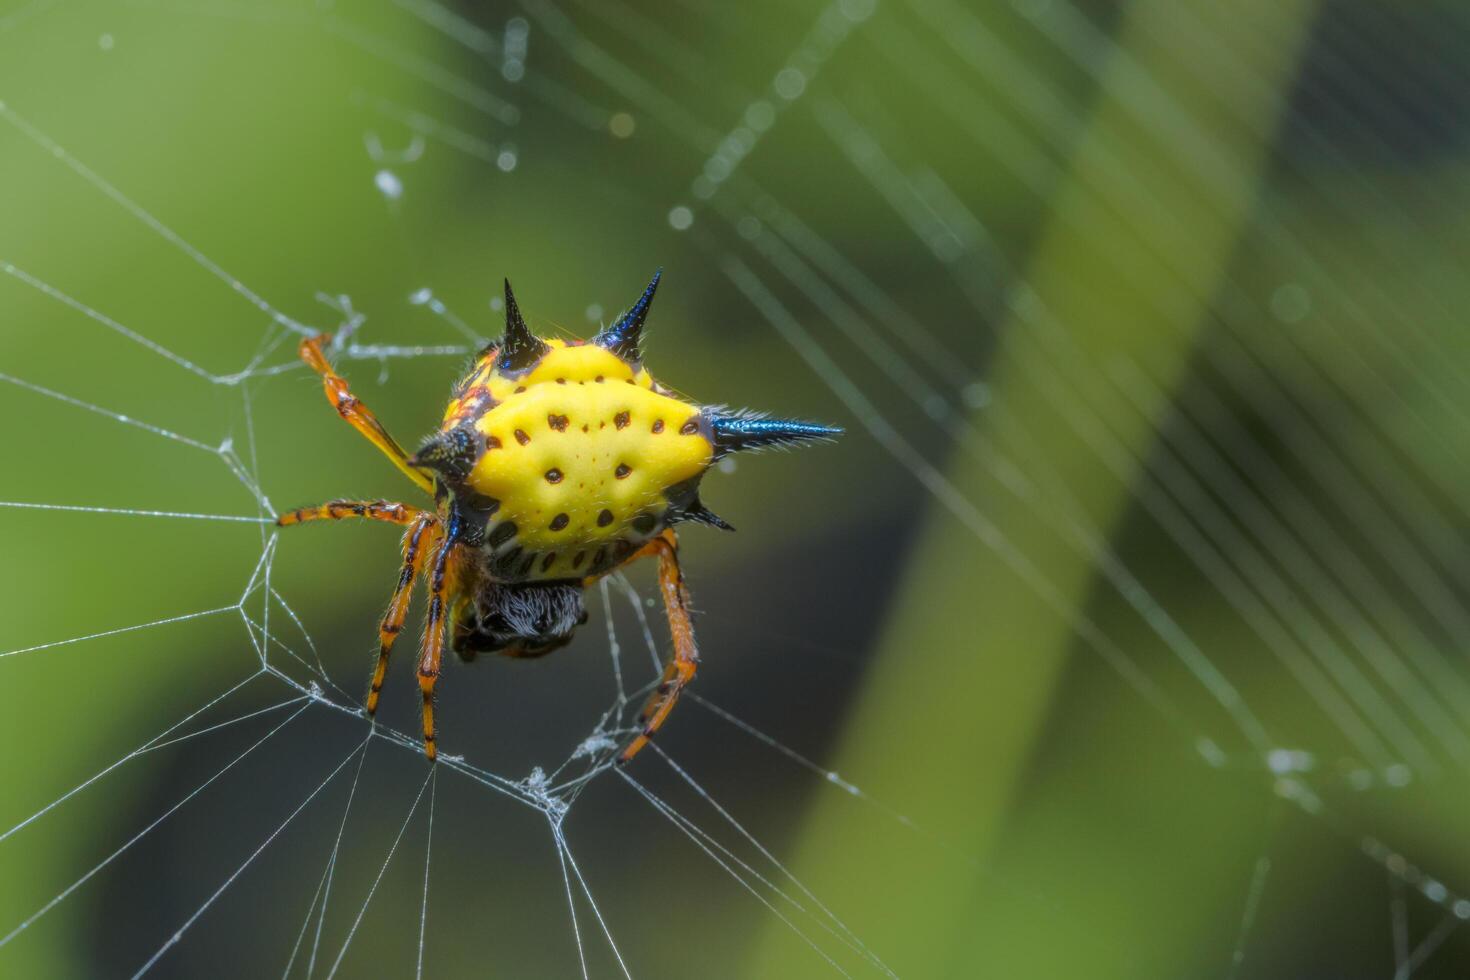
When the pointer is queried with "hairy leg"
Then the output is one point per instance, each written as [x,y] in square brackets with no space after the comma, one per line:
[341,510]
[419,538]
[685,660]
[432,653]
[358,415]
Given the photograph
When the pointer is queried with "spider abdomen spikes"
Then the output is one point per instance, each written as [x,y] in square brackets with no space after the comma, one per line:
[586,457]
[744,429]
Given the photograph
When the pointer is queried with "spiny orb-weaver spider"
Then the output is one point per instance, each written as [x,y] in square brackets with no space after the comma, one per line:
[557,462]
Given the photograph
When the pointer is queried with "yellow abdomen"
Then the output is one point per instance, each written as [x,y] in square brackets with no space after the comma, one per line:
[579,458]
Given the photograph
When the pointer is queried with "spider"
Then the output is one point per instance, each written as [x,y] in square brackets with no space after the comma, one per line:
[556,463]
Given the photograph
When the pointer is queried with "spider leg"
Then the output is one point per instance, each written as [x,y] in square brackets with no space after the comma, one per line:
[433,646]
[339,510]
[358,415]
[681,667]
[392,624]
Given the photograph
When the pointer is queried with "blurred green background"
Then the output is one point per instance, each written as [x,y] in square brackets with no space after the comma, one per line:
[1134,601]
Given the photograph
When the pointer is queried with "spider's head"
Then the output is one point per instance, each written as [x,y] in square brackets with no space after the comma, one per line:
[449,454]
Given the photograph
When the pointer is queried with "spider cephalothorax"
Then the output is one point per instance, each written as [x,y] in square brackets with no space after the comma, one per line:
[557,461]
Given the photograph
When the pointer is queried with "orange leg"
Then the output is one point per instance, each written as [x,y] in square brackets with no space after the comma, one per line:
[415,541]
[433,647]
[340,510]
[681,667]
[358,415]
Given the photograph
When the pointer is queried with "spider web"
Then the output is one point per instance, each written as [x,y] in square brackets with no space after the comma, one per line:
[1274,586]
